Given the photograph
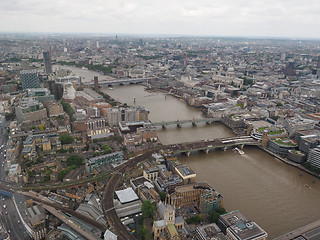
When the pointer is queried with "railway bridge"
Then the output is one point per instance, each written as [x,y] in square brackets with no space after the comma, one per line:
[208,145]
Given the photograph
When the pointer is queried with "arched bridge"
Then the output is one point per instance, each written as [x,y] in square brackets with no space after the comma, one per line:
[207,145]
[179,123]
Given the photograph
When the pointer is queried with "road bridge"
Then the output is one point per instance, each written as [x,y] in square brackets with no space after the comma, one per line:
[208,145]
[179,123]
[113,82]
[5,193]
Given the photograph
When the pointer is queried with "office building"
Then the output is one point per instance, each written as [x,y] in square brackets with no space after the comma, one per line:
[47,62]
[41,94]
[238,227]
[210,200]
[30,110]
[210,231]
[25,64]
[116,115]
[314,157]
[29,79]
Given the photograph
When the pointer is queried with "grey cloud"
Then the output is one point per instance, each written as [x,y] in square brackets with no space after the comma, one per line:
[202,17]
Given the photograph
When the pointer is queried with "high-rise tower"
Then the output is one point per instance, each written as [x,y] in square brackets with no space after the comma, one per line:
[47,62]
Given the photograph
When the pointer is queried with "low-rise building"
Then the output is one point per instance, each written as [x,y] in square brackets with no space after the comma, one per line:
[191,194]
[53,108]
[151,173]
[33,217]
[186,173]
[111,158]
[41,94]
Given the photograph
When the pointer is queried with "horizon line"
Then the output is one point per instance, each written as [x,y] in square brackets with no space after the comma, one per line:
[164,35]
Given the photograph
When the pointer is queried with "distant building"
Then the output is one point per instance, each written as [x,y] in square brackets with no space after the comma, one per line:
[116,115]
[97,126]
[41,94]
[47,62]
[238,227]
[29,79]
[54,108]
[25,64]
[2,123]
[96,83]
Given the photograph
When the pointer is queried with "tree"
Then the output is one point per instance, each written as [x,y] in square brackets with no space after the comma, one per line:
[214,216]
[66,139]
[71,150]
[147,209]
[279,104]
[144,234]
[195,219]
[74,160]
[162,196]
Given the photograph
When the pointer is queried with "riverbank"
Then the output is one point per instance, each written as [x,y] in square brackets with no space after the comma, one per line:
[293,164]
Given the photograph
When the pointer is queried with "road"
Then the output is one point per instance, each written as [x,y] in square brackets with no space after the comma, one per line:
[12,220]
[3,164]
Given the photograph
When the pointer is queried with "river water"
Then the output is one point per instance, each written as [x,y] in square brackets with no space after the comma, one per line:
[265,189]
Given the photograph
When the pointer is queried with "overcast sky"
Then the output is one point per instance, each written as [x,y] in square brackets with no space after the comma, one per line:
[274,18]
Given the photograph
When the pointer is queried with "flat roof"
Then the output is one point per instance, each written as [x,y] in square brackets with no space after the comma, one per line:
[127,195]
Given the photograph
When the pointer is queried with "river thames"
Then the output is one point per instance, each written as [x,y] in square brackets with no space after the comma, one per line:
[268,191]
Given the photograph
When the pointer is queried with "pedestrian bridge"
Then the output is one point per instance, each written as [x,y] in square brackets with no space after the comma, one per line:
[179,123]
[208,145]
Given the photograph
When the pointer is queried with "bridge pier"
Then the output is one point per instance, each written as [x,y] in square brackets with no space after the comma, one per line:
[224,149]
[206,151]
[164,126]
[188,153]
[208,122]
[241,147]
[179,124]
[194,123]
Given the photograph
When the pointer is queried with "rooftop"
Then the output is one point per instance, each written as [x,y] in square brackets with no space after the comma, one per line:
[127,195]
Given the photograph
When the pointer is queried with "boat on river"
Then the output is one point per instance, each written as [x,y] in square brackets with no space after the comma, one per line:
[239,151]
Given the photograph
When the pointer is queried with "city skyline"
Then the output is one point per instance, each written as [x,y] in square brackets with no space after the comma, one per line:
[283,19]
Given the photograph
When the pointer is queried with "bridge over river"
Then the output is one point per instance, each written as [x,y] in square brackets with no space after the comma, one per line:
[207,145]
[113,82]
[179,123]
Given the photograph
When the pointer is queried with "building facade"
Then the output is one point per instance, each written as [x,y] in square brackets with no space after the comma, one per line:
[29,79]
